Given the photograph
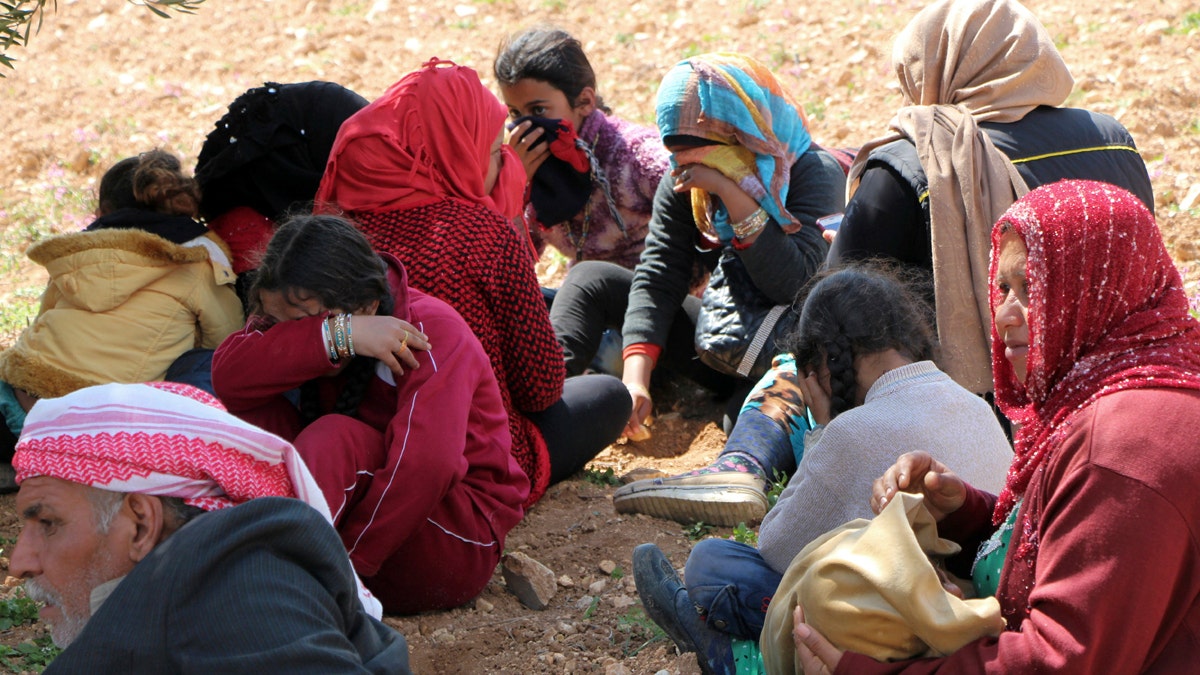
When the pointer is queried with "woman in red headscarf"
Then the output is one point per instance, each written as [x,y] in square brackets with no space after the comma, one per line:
[426,174]
[1096,562]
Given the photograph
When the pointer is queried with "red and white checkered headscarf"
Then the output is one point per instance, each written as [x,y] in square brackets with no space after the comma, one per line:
[164,439]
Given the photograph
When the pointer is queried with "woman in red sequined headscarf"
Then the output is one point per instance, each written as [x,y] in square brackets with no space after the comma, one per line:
[425,173]
[1097,562]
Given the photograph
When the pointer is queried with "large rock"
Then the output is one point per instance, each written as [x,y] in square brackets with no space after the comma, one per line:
[532,582]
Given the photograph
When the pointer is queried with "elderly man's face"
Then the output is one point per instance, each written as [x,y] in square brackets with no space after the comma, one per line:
[62,555]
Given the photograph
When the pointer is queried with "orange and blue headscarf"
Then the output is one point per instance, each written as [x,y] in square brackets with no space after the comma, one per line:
[760,131]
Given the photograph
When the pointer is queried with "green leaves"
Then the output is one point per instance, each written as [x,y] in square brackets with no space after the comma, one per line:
[17,611]
[18,17]
[32,656]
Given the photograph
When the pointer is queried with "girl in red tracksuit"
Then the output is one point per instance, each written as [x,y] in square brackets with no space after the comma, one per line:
[399,416]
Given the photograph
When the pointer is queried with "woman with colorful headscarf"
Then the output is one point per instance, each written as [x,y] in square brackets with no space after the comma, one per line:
[747,184]
[982,82]
[1093,552]
[426,174]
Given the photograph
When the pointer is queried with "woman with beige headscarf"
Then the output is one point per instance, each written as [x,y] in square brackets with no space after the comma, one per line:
[982,82]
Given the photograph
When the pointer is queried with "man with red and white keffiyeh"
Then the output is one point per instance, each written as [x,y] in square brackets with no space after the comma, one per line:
[180,528]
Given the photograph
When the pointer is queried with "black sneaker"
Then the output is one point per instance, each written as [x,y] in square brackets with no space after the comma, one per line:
[667,603]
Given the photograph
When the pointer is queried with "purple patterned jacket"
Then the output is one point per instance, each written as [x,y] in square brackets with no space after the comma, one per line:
[634,159]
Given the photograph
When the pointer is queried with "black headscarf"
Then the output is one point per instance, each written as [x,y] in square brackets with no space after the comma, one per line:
[269,150]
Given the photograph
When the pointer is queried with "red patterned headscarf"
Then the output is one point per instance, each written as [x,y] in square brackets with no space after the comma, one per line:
[428,137]
[164,439]
[1107,312]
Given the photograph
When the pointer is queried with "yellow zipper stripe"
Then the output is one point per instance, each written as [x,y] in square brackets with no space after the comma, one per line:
[1099,148]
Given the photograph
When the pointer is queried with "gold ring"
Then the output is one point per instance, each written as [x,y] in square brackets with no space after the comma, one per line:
[404,342]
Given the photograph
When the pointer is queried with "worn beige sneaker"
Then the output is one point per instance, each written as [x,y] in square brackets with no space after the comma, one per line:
[724,498]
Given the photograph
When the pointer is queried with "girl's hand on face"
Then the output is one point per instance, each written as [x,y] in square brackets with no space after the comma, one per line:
[737,201]
[388,339]
[920,473]
[701,177]
[531,157]
[816,397]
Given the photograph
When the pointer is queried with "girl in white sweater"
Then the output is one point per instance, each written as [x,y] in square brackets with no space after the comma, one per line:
[868,392]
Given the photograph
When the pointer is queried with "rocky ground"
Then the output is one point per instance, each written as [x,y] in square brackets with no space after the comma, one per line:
[106,78]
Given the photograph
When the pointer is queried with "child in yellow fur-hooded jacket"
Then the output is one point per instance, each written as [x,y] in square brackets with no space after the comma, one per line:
[143,285]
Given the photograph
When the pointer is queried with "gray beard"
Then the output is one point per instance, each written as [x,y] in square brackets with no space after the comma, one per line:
[72,624]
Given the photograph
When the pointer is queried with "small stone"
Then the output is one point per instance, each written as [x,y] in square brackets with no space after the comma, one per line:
[566,582]
[642,473]
[531,581]
[567,628]
[81,161]
[1156,26]
[622,601]
[1193,194]
[607,566]
[483,605]
[443,636]
[597,587]
[617,669]
[584,602]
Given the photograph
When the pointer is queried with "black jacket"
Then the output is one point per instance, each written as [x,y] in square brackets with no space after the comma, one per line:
[264,587]
[888,216]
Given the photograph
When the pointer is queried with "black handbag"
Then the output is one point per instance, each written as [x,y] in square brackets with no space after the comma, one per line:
[738,327]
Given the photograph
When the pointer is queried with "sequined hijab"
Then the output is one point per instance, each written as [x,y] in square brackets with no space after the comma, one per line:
[1107,312]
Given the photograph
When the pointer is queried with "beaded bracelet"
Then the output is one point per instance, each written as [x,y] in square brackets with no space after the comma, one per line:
[751,224]
[350,334]
[327,336]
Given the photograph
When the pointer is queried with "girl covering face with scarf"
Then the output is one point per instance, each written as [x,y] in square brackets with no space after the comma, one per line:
[424,172]
[747,181]
[1097,359]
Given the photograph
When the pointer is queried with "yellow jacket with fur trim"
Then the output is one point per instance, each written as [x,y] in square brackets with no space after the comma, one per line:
[121,305]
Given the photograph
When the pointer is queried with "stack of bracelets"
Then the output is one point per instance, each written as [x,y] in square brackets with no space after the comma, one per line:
[339,336]
[751,224]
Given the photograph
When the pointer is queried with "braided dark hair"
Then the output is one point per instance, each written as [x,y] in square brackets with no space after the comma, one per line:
[856,310]
[151,181]
[326,257]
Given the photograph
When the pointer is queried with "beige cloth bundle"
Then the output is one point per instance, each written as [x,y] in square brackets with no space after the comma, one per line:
[869,587]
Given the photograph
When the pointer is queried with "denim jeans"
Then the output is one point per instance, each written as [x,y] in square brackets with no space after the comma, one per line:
[733,584]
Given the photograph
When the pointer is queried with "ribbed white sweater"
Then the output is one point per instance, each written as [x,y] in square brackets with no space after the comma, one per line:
[914,407]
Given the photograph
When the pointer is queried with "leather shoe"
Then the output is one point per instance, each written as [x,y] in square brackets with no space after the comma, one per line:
[667,603]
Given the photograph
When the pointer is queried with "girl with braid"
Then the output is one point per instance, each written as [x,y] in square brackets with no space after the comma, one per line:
[399,419]
[867,393]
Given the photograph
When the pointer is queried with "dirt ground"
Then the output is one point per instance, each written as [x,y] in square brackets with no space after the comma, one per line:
[105,79]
